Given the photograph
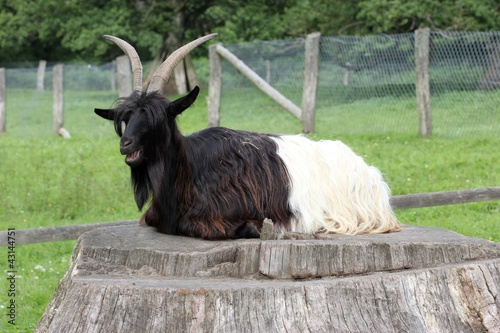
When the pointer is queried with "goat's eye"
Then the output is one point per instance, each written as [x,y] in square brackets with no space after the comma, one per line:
[123,126]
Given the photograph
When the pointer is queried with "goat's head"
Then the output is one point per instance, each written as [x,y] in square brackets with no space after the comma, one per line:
[145,123]
[146,120]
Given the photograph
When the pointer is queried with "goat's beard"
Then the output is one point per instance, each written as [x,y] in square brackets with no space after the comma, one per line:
[141,184]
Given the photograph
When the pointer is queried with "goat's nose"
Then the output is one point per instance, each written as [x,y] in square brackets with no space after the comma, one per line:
[126,142]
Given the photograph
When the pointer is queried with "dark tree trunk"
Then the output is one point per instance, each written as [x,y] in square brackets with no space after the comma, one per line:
[184,78]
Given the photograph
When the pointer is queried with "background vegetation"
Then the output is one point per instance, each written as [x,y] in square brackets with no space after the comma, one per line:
[71,30]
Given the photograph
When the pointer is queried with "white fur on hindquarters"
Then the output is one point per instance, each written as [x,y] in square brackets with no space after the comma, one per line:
[333,189]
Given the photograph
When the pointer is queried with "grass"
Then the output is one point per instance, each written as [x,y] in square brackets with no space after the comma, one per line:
[48,181]
[39,269]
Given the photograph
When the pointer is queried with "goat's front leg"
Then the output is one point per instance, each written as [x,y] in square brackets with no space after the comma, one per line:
[218,229]
[147,218]
[246,230]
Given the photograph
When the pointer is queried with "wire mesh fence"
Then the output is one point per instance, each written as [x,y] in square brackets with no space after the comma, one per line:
[366,84]
[30,108]
[465,82]
[83,77]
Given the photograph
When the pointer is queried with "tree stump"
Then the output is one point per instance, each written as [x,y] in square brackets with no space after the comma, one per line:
[133,279]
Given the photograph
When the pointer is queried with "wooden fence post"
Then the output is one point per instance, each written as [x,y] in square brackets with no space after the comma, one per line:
[2,101]
[268,71]
[422,86]
[347,69]
[214,86]
[124,75]
[191,76]
[40,75]
[180,78]
[58,107]
[310,81]
[58,103]
[113,75]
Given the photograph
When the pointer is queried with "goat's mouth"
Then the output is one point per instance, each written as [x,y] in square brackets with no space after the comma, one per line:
[133,158]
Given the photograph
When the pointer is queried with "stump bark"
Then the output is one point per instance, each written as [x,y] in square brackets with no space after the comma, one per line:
[133,279]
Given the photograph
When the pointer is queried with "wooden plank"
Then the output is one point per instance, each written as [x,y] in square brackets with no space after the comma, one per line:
[214,87]
[2,101]
[310,82]
[445,198]
[53,234]
[259,82]
[422,85]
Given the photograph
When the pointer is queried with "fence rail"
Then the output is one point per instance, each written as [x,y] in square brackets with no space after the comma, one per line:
[71,232]
[55,234]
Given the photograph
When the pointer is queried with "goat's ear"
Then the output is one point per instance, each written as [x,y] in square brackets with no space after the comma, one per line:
[183,103]
[106,113]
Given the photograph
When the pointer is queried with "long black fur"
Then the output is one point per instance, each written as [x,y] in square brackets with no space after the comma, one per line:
[215,184]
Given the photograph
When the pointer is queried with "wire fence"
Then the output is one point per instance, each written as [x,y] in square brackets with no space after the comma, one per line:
[366,85]
[29,107]
[81,77]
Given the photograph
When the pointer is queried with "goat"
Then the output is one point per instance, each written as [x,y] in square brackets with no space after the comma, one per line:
[221,183]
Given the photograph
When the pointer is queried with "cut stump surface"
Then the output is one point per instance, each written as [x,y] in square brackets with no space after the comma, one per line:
[133,279]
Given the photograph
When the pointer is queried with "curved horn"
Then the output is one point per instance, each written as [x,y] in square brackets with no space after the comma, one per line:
[162,74]
[132,55]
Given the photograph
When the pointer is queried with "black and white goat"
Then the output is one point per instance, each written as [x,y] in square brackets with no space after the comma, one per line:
[221,183]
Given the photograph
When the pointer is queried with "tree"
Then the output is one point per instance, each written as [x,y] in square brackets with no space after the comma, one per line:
[26,32]
[72,29]
[335,17]
[183,16]
[395,16]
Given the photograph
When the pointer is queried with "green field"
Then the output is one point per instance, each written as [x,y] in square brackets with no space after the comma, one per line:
[49,181]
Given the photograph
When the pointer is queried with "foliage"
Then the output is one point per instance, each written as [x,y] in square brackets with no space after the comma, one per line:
[49,29]
[55,30]
[251,20]
[332,18]
[393,16]
[82,34]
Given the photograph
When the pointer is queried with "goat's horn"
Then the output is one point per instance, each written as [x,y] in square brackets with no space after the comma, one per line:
[162,74]
[132,55]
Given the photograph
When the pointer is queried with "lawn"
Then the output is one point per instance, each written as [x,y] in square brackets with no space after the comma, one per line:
[47,181]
